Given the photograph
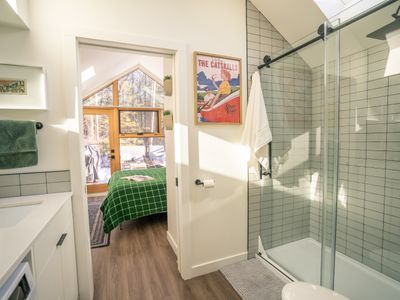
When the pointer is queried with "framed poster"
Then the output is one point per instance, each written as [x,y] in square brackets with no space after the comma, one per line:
[22,87]
[217,89]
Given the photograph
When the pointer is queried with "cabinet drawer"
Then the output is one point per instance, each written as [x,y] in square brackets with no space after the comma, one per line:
[46,243]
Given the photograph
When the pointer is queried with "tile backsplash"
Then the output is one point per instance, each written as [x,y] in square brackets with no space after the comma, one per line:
[25,184]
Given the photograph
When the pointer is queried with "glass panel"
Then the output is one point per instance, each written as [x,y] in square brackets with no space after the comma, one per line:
[330,132]
[334,198]
[97,148]
[137,89]
[142,153]
[290,202]
[138,121]
[368,227]
[102,98]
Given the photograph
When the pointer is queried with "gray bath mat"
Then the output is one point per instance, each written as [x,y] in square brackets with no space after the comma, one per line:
[253,281]
[98,238]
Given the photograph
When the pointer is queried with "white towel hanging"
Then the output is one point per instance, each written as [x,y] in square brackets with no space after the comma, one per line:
[257,133]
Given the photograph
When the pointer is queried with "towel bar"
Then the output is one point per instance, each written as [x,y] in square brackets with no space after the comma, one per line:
[39,125]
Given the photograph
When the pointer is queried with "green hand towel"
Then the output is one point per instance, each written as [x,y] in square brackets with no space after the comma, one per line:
[18,146]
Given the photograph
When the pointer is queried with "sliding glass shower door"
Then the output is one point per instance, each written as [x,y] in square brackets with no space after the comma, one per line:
[298,212]
[330,214]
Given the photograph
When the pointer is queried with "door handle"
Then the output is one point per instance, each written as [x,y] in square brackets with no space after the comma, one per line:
[61,240]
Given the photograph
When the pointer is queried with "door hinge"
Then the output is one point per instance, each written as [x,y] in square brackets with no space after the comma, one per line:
[176,181]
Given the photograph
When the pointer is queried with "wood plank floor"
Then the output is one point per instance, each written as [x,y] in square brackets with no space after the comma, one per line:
[140,264]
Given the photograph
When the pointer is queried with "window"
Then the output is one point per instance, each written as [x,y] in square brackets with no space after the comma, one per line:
[139,122]
[142,153]
[104,97]
[134,104]
[137,89]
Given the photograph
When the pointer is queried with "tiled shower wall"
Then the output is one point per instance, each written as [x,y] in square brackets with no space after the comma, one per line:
[288,207]
[368,227]
[283,215]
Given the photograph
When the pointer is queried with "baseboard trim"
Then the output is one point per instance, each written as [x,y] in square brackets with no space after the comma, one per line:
[214,265]
[172,243]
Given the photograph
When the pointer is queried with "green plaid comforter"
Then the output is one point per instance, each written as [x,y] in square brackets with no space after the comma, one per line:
[129,200]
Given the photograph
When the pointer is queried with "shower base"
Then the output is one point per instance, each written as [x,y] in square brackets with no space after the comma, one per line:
[352,279]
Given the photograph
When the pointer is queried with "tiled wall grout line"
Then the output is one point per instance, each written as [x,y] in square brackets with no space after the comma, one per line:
[34,183]
[369,167]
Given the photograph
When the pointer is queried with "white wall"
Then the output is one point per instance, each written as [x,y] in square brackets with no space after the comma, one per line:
[173,230]
[108,63]
[217,218]
[14,13]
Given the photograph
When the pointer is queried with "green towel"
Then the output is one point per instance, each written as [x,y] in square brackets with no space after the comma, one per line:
[18,146]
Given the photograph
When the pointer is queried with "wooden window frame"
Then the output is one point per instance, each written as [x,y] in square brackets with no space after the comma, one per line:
[135,135]
[115,110]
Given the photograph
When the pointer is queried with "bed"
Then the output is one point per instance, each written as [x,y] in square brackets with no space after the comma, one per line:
[130,200]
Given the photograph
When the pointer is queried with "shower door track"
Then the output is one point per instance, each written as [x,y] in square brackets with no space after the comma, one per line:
[276,267]
[269,60]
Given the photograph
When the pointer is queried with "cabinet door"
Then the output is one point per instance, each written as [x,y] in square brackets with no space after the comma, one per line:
[68,263]
[49,284]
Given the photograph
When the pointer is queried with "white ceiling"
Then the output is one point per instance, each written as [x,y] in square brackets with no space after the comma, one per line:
[108,63]
[294,19]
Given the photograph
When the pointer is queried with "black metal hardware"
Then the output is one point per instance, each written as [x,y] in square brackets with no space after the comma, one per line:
[268,60]
[269,171]
[176,181]
[199,182]
[396,15]
[39,125]
[112,156]
[61,240]
[112,151]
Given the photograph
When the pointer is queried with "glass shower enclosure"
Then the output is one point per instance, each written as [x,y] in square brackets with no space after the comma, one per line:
[330,213]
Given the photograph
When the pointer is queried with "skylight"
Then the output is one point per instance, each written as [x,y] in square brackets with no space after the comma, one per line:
[344,9]
[87,74]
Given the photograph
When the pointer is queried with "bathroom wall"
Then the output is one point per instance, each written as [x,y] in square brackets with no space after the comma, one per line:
[279,209]
[368,227]
[215,219]
[25,184]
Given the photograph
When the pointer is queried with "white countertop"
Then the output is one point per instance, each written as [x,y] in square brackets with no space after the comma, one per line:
[16,241]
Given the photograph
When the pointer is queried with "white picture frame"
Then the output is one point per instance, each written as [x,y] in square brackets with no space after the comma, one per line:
[22,87]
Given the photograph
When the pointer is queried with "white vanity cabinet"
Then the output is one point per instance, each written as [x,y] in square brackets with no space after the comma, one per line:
[54,258]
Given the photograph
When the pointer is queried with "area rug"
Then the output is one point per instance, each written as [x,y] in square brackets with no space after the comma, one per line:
[253,281]
[98,238]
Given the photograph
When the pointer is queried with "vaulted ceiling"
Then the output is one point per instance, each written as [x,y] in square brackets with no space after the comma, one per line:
[298,20]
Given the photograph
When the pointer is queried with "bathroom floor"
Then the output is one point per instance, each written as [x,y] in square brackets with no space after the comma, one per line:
[140,264]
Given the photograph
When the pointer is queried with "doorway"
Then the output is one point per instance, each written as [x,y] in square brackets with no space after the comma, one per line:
[122,126]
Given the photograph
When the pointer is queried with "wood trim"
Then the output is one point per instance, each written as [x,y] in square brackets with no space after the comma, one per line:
[159,129]
[115,93]
[96,188]
[102,187]
[146,135]
[116,144]
[141,108]
[195,53]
